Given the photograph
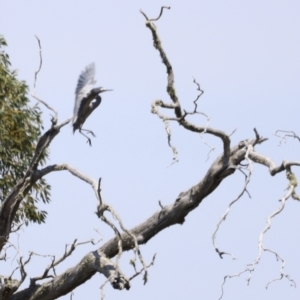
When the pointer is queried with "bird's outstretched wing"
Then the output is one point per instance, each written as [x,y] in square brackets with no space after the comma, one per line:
[86,78]
[85,84]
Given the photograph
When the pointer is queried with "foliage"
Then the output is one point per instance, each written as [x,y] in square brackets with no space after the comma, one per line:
[20,128]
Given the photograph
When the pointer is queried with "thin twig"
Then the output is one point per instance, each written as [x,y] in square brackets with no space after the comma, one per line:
[136,248]
[251,267]
[160,14]
[4,255]
[174,150]
[282,274]
[261,247]
[201,92]
[40,65]
[17,227]
[55,118]
[286,134]
[55,262]
[223,218]
[139,272]
[224,281]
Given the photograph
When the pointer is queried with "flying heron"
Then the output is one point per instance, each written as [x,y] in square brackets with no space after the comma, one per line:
[87,99]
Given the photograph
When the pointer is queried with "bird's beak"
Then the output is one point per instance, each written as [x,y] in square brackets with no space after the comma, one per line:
[106,90]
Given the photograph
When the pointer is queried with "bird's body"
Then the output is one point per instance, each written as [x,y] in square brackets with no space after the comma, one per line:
[86,108]
[87,99]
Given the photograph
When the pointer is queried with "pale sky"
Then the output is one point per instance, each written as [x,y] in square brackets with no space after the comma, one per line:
[245,55]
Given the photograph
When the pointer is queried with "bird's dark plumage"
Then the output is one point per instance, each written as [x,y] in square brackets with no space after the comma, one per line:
[87,99]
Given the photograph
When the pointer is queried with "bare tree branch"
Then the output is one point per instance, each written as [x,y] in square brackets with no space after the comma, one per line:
[100,213]
[160,220]
[229,277]
[11,204]
[180,116]
[266,161]
[139,272]
[101,207]
[261,236]
[251,267]
[55,262]
[4,253]
[66,282]
[160,14]
[54,119]
[223,218]
[285,135]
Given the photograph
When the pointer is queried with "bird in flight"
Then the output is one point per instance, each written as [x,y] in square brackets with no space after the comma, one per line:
[87,99]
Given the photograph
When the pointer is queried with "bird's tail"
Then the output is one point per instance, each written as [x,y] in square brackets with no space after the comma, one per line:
[74,124]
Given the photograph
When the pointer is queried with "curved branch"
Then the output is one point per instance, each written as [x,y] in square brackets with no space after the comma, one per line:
[11,204]
[170,84]
[160,14]
[285,134]
[73,171]
[101,208]
[63,284]
[160,220]
[273,168]
[223,218]
[176,104]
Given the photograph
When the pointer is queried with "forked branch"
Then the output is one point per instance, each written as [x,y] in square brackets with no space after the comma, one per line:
[180,116]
